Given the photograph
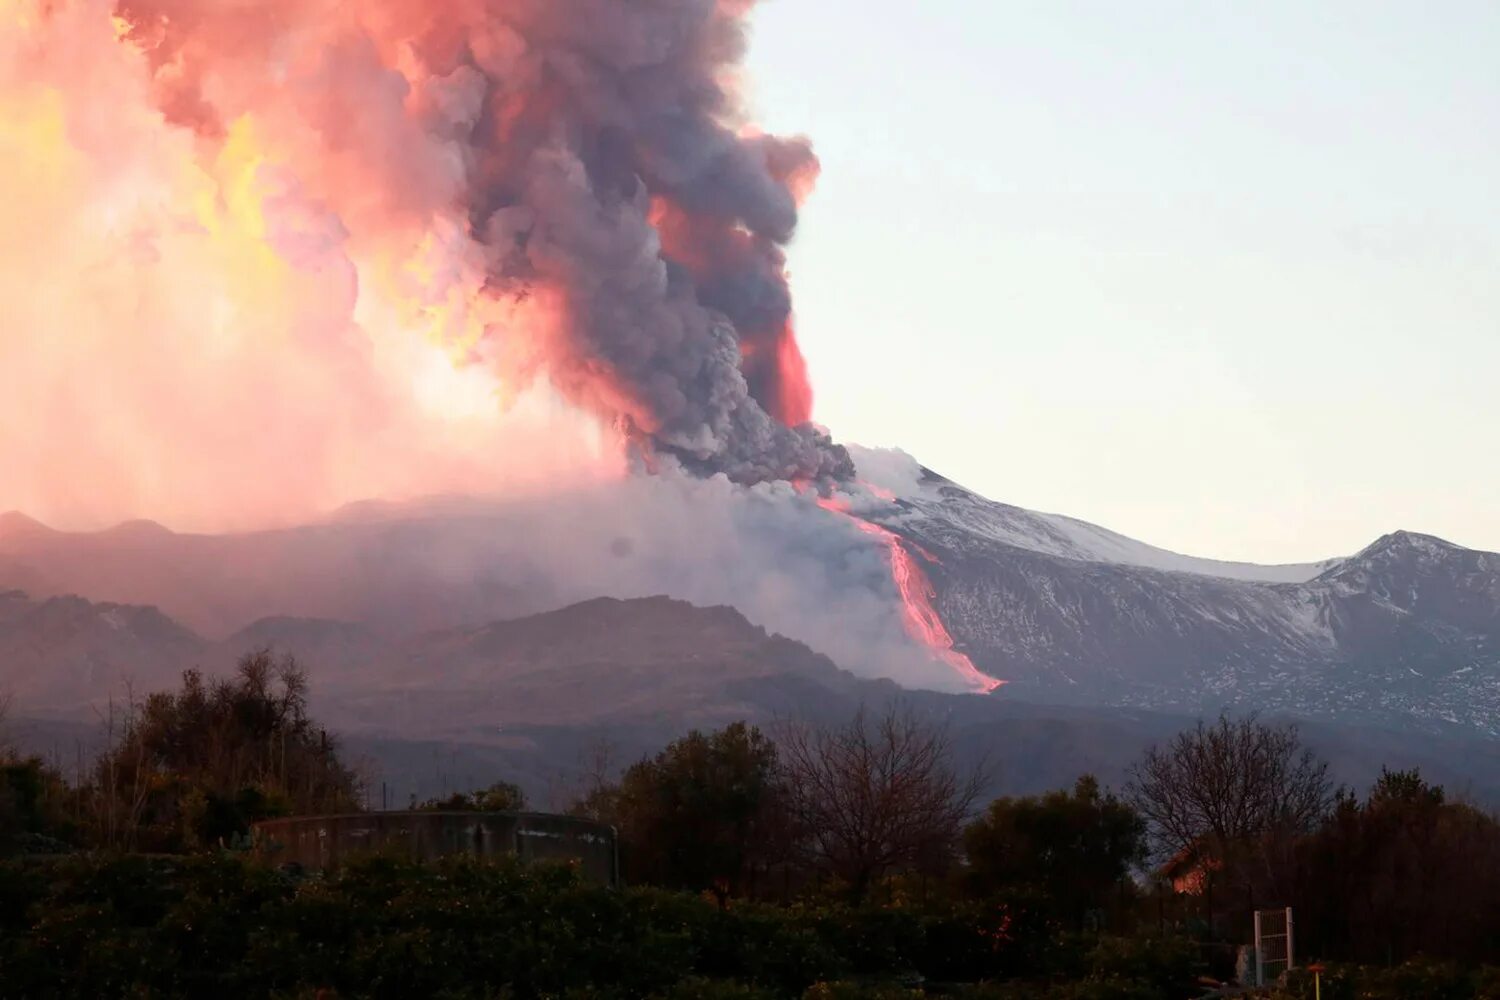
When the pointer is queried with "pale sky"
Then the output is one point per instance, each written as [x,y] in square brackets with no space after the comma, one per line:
[1223,277]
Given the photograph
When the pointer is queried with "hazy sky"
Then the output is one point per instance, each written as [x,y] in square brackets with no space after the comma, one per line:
[1224,277]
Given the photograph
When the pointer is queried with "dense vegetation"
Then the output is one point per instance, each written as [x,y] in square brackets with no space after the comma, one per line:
[188,769]
[852,860]
[502,796]
[220,925]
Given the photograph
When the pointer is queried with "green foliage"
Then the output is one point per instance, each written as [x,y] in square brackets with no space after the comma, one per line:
[1162,962]
[780,950]
[502,796]
[218,924]
[858,990]
[194,768]
[701,814]
[1075,849]
[696,988]
[34,803]
[1092,988]
[1108,968]
[1405,873]
[1405,788]
[1418,978]
[987,940]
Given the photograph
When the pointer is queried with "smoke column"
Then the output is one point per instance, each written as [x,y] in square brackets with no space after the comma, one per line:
[290,201]
[588,156]
[264,258]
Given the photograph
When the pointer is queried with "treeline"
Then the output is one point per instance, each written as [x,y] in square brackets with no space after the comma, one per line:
[765,862]
[1402,872]
[1250,819]
[1228,817]
[875,809]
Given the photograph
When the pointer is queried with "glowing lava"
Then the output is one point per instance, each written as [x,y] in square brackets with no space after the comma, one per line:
[918,616]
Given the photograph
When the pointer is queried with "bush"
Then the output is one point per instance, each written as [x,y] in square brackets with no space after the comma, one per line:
[712,989]
[209,925]
[856,990]
[1087,989]
[33,819]
[1170,964]
[385,928]
[1417,978]
[972,942]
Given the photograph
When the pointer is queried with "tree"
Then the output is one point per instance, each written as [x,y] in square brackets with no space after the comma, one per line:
[198,765]
[875,795]
[701,815]
[1073,848]
[502,796]
[1405,872]
[1219,787]
[33,805]
[1395,789]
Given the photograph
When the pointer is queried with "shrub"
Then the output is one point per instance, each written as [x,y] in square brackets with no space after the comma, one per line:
[1417,978]
[207,925]
[712,989]
[857,990]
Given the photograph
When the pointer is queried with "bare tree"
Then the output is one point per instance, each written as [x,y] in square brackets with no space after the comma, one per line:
[197,765]
[115,806]
[875,795]
[1219,786]
[588,789]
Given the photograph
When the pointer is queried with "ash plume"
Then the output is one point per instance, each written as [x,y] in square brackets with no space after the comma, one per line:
[261,259]
[593,152]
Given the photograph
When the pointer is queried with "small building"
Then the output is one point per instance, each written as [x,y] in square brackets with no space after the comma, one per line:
[319,843]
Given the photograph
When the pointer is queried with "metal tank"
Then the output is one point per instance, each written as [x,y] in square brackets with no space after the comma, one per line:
[317,843]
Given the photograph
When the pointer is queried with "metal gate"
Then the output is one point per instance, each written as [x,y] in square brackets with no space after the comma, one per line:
[1273,944]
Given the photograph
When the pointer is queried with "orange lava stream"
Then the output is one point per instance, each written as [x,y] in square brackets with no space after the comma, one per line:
[918,616]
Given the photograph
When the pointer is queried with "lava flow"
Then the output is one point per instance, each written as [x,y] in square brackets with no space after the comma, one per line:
[918,616]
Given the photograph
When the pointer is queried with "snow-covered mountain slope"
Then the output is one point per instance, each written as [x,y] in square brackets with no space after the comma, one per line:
[1405,632]
[937,506]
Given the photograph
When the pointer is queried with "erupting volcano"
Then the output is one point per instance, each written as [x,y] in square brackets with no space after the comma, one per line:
[268,258]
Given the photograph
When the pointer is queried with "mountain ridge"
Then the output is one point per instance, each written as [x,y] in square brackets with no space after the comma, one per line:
[509,714]
[1405,632]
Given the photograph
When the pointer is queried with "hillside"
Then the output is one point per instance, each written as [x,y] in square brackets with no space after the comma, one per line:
[1405,633]
[541,698]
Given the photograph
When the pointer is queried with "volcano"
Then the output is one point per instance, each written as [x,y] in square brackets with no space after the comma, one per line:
[1405,633]
[530,257]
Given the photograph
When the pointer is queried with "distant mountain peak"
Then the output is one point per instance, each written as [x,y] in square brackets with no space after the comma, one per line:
[1404,552]
[14,524]
[1408,541]
[647,619]
[139,528]
[657,604]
